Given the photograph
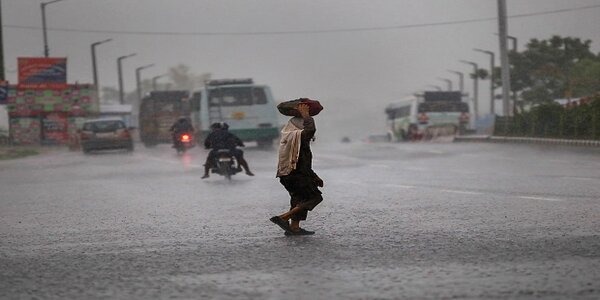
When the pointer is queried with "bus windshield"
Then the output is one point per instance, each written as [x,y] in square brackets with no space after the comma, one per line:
[236,96]
[167,105]
[443,106]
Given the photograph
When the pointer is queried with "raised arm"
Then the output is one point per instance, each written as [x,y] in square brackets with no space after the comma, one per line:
[309,123]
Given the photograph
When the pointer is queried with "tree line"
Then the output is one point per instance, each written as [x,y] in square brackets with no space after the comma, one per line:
[547,70]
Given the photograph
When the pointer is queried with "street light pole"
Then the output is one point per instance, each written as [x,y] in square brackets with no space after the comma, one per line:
[461,80]
[475,87]
[154,79]
[138,80]
[120,74]
[43,7]
[435,87]
[492,67]
[448,82]
[94,66]
[514,42]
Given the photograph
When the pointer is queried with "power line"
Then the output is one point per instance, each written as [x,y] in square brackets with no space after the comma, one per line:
[320,31]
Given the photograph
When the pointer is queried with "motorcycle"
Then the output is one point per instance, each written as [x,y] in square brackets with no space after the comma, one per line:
[225,164]
[184,141]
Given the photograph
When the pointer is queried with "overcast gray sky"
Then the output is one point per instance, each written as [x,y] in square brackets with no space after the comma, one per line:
[355,74]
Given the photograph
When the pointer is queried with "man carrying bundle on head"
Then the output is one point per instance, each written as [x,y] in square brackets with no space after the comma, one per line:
[294,167]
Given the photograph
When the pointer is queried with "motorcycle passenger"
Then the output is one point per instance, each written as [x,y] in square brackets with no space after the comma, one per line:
[221,138]
[181,126]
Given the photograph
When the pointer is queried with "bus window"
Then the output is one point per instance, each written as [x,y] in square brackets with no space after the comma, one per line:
[167,106]
[259,96]
[231,96]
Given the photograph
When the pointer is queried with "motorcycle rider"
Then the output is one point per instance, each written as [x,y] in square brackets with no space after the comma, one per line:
[181,126]
[221,138]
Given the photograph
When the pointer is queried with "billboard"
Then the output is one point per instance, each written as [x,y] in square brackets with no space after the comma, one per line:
[42,72]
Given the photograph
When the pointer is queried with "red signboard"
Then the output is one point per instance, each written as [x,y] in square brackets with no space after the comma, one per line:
[42,72]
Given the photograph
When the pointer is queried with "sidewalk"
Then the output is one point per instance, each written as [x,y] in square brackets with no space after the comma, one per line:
[524,140]
[13,152]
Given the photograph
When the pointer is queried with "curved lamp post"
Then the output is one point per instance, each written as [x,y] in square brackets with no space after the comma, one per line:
[43,7]
[94,65]
[448,82]
[437,87]
[461,80]
[155,78]
[138,80]
[492,67]
[120,74]
[475,87]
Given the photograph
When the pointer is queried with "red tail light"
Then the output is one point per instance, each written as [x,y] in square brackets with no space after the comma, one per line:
[85,136]
[185,138]
[423,118]
[125,134]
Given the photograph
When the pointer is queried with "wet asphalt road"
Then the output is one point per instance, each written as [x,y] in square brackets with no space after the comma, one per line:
[399,221]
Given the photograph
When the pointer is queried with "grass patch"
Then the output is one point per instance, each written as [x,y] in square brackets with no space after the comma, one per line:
[16,152]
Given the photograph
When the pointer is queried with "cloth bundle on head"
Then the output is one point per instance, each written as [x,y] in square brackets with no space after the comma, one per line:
[289,146]
[290,108]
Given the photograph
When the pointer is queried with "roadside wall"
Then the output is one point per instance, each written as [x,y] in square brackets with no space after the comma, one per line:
[49,116]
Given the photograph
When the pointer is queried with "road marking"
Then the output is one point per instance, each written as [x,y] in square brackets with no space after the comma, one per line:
[580,178]
[539,198]
[399,186]
[463,192]
[436,151]
[381,166]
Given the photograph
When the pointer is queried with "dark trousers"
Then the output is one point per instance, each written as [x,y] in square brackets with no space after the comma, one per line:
[304,193]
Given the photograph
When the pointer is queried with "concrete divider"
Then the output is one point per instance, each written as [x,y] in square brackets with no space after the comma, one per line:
[525,140]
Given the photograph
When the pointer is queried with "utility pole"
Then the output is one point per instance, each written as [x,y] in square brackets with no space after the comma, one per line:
[503,33]
[2,77]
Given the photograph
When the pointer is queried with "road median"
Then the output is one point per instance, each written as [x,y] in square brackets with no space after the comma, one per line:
[526,140]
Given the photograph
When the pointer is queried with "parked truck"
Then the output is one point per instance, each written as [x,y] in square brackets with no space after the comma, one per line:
[158,111]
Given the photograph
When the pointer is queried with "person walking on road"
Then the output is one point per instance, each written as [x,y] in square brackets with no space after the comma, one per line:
[295,173]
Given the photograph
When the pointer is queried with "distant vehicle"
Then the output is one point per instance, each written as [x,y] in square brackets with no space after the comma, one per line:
[103,134]
[248,108]
[183,142]
[401,116]
[428,115]
[158,111]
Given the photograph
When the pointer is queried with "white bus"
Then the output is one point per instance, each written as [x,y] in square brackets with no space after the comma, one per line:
[428,115]
[248,108]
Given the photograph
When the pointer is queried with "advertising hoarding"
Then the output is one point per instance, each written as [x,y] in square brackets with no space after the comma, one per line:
[42,72]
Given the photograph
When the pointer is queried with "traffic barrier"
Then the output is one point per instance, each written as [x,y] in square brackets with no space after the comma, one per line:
[525,140]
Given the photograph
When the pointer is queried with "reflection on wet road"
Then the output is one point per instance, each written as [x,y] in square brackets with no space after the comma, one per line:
[423,221]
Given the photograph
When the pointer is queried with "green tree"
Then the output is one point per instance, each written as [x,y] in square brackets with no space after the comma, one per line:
[560,67]
[184,79]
